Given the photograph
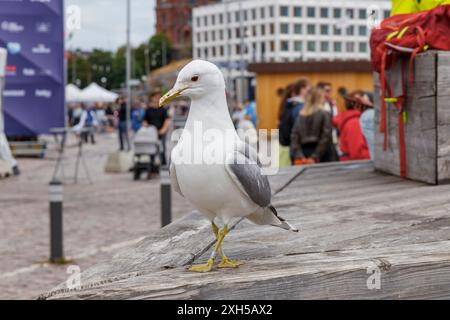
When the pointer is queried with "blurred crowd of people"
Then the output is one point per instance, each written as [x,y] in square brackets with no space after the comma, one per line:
[112,117]
[314,130]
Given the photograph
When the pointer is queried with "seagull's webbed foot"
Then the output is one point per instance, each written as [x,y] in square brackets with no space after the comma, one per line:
[228,263]
[207,267]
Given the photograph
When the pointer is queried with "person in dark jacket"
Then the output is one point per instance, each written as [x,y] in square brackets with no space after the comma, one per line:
[291,106]
[158,117]
[123,133]
[311,140]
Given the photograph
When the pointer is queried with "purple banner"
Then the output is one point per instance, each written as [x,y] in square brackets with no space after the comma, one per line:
[33,33]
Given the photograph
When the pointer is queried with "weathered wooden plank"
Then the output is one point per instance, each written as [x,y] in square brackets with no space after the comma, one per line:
[406,272]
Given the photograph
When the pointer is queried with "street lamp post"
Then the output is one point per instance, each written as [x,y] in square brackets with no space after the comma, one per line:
[242,45]
[128,67]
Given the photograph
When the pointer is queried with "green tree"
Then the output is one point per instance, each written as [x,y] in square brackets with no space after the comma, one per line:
[160,50]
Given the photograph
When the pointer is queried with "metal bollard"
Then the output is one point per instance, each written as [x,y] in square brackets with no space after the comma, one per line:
[56,221]
[166,197]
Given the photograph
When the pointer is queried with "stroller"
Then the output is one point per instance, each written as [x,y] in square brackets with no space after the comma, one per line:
[146,152]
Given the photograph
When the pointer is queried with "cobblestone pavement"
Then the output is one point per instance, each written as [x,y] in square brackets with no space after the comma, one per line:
[99,218]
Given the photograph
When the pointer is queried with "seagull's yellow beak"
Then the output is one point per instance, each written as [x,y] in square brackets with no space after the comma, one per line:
[172,95]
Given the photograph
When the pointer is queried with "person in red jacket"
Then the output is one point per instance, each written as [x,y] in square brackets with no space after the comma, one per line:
[352,144]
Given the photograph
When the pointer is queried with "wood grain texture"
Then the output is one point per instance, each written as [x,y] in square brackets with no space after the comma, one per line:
[421,131]
[351,220]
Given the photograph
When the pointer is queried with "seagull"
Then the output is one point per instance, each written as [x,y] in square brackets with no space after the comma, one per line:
[231,187]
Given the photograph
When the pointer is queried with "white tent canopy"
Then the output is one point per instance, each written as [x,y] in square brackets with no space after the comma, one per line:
[73,93]
[92,93]
[95,93]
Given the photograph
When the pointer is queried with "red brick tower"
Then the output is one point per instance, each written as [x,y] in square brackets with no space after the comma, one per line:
[174,18]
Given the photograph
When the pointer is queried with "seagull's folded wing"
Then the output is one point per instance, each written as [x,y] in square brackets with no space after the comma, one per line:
[174,180]
[246,174]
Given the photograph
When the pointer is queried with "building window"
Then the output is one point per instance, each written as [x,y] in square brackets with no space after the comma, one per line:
[311,12]
[214,51]
[263,13]
[284,46]
[222,51]
[221,18]
[297,11]
[324,12]
[199,38]
[271,11]
[199,53]
[337,31]
[238,49]
[263,30]
[363,47]
[238,33]
[230,34]
[229,17]
[311,46]
[349,13]
[205,52]
[237,16]
[337,47]
[213,35]
[324,46]
[254,31]
[351,31]
[213,21]
[337,13]
[254,14]
[363,30]
[311,29]
[362,14]
[350,47]
[386,14]
[298,28]
[298,46]
[324,29]
[245,15]
[206,36]
[198,22]
[284,28]
[272,28]
[272,46]
[284,11]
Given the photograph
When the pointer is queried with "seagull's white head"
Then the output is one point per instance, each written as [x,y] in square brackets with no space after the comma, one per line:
[195,80]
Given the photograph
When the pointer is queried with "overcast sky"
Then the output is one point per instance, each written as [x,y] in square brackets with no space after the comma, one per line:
[103,23]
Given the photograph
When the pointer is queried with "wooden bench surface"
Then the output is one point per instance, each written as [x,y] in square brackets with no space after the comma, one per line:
[353,222]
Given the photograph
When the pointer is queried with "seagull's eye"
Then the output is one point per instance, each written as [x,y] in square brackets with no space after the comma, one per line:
[194,78]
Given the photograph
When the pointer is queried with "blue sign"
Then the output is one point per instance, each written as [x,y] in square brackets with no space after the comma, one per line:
[33,33]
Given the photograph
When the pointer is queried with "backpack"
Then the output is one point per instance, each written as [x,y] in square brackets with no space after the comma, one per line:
[398,39]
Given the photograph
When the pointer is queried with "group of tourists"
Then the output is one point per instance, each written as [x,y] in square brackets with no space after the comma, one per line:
[145,112]
[313,130]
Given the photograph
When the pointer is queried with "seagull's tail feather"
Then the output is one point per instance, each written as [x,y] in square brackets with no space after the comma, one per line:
[269,216]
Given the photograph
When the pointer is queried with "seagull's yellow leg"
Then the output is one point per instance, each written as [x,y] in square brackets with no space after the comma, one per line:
[225,262]
[209,265]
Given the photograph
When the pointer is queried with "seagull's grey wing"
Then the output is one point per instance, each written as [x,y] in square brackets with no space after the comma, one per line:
[246,174]
[174,180]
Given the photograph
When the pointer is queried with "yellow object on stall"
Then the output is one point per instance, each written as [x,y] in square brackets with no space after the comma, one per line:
[413,6]
[404,6]
[430,4]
